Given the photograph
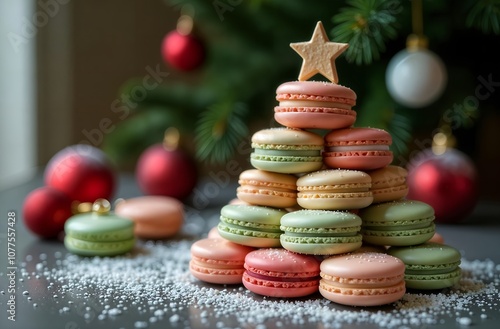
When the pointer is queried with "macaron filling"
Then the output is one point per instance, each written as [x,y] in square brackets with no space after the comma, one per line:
[313,104]
[357,148]
[397,225]
[242,227]
[282,276]
[308,152]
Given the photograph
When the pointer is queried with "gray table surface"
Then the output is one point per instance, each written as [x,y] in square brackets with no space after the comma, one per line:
[477,237]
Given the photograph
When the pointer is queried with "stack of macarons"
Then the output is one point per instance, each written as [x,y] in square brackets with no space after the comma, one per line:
[319,201]
[322,206]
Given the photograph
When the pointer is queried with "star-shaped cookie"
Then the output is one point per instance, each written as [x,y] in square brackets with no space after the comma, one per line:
[319,55]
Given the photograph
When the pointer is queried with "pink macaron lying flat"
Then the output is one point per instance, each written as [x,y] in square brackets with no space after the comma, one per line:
[216,260]
[155,216]
[315,104]
[357,148]
[362,279]
[277,272]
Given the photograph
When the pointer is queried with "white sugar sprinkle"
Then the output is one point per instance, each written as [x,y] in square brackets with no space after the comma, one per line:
[464,321]
[156,283]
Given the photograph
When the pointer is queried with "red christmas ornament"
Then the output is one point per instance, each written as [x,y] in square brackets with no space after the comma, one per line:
[45,210]
[81,171]
[445,181]
[182,49]
[164,169]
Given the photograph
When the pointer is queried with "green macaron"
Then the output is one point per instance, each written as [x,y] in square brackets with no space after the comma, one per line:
[320,232]
[429,265]
[99,233]
[397,223]
[286,150]
[254,226]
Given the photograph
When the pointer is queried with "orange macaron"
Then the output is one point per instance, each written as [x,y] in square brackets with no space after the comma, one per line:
[389,183]
[266,188]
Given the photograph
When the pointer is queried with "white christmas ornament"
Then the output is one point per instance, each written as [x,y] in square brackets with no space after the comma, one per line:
[416,78]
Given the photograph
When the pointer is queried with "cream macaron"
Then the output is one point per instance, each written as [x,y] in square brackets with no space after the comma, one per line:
[334,189]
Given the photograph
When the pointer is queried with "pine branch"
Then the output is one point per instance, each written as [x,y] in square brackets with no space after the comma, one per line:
[485,16]
[219,131]
[366,25]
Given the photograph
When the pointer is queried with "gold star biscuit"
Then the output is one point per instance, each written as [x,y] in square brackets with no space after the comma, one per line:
[319,55]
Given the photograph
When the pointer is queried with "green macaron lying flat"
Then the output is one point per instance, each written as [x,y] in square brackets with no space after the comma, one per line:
[397,223]
[99,233]
[254,226]
[320,232]
[429,265]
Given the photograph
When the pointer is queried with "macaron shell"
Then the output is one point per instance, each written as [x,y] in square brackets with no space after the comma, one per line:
[97,227]
[214,275]
[371,269]
[400,212]
[277,272]
[332,179]
[311,245]
[310,89]
[218,261]
[216,249]
[286,165]
[428,254]
[249,238]
[283,138]
[279,289]
[95,248]
[334,189]
[253,214]
[362,279]
[268,179]
[362,297]
[433,281]
[314,117]
[357,136]
[283,263]
[335,201]
[408,237]
[266,197]
[156,217]
[367,160]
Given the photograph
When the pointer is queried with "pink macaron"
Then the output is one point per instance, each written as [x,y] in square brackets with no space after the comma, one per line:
[277,272]
[315,104]
[358,148]
[362,279]
[216,260]
[155,216]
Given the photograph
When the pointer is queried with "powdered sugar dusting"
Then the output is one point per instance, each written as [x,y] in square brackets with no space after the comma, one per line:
[155,284]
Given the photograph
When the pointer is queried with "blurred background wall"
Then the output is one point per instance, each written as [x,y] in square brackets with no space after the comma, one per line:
[64,63]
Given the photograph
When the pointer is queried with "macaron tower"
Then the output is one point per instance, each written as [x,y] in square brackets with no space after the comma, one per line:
[328,190]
